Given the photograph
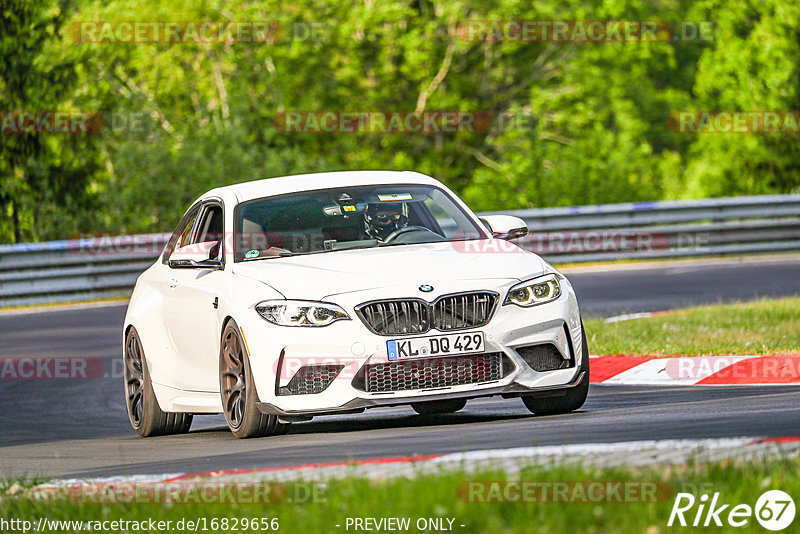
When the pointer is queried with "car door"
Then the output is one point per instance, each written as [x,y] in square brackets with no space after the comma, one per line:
[191,304]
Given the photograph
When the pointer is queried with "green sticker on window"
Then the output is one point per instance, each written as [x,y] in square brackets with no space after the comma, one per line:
[251,254]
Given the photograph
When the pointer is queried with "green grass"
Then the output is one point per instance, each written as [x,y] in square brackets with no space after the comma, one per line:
[760,327]
[439,496]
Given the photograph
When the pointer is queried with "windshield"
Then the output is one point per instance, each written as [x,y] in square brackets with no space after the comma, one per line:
[328,220]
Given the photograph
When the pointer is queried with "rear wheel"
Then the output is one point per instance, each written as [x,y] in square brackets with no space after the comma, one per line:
[146,416]
[574,397]
[439,407]
[239,396]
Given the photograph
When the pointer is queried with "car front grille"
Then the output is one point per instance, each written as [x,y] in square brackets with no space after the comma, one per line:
[415,316]
[544,357]
[431,373]
[468,310]
[396,316]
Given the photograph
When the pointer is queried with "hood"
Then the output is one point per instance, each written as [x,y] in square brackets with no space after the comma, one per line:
[321,275]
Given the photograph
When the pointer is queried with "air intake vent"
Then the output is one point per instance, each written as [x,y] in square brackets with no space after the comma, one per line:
[544,357]
[430,373]
[415,316]
[311,379]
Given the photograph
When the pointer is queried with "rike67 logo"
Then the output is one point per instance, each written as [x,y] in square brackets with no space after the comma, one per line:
[774,510]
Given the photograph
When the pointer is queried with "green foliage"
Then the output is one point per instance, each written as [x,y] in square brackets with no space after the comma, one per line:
[449,494]
[41,177]
[181,118]
[768,327]
[751,67]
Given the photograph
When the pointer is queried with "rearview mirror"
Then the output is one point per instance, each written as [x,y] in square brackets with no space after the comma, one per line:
[505,226]
[197,256]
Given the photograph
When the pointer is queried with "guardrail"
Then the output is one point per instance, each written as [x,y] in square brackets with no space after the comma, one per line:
[107,266]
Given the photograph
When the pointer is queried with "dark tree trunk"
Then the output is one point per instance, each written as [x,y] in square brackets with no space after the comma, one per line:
[15,218]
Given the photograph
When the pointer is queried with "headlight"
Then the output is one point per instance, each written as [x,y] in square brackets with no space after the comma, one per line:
[533,292]
[300,312]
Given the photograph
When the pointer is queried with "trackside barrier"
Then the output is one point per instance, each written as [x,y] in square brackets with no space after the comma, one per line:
[107,266]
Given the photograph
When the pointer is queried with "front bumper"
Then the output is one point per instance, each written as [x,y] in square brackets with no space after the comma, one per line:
[360,404]
[276,353]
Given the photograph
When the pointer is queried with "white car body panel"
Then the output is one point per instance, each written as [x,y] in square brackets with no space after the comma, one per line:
[180,330]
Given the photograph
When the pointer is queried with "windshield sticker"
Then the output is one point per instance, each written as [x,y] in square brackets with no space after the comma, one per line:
[394,197]
[250,254]
[349,208]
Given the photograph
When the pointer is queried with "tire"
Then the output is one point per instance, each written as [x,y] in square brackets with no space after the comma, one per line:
[281,429]
[238,391]
[574,397]
[439,407]
[145,415]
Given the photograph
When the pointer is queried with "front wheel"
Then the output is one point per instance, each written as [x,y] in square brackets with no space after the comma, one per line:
[146,416]
[239,396]
[575,396]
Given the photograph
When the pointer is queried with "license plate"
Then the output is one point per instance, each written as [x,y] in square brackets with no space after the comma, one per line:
[443,345]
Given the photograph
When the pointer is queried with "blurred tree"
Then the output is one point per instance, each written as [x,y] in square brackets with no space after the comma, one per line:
[753,66]
[602,133]
[590,119]
[41,175]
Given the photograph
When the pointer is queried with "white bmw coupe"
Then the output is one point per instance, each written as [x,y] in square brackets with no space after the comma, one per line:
[283,299]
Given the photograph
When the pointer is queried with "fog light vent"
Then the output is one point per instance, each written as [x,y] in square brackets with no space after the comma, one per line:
[545,357]
[311,379]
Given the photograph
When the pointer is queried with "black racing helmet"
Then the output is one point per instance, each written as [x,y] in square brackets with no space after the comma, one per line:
[383,218]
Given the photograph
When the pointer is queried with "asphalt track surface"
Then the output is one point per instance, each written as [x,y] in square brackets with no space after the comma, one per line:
[78,428]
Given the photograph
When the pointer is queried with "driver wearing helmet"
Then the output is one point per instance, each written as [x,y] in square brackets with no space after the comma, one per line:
[380,220]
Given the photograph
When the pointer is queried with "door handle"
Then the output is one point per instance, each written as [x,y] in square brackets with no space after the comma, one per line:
[173,283]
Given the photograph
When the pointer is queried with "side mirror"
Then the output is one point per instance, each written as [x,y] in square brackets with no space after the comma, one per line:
[505,226]
[196,256]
